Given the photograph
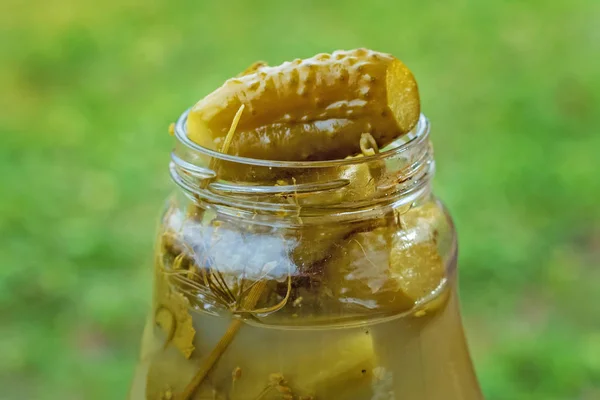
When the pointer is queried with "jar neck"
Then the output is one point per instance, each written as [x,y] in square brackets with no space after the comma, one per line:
[305,191]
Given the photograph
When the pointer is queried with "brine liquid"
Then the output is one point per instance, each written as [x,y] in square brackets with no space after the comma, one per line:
[416,357]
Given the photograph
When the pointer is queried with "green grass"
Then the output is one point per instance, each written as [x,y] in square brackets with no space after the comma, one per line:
[512,89]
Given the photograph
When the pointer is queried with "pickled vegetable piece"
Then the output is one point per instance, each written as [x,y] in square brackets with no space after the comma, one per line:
[171,307]
[417,268]
[415,259]
[173,315]
[314,242]
[361,185]
[341,371]
[361,277]
[168,374]
[312,109]
[391,268]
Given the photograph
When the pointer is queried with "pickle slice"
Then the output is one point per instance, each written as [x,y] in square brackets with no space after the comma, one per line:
[416,268]
[168,373]
[415,260]
[359,275]
[342,371]
[387,269]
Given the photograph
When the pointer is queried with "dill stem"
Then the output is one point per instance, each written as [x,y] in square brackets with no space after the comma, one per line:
[209,362]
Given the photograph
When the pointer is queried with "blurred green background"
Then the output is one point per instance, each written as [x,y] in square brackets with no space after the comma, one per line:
[88,90]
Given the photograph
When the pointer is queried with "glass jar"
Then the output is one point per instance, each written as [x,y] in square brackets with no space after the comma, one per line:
[305,280]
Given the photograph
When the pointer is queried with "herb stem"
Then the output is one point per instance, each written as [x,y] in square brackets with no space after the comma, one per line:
[224,342]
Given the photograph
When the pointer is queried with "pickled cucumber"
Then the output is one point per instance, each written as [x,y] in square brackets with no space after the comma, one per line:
[388,269]
[312,109]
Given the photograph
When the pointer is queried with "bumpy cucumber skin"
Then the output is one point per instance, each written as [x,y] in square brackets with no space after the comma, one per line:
[312,109]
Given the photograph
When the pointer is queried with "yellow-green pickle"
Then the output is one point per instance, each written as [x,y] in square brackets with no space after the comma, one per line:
[303,255]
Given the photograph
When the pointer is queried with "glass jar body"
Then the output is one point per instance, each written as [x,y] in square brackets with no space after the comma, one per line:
[251,309]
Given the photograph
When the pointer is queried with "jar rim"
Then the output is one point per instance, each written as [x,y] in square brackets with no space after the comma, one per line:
[417,136]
